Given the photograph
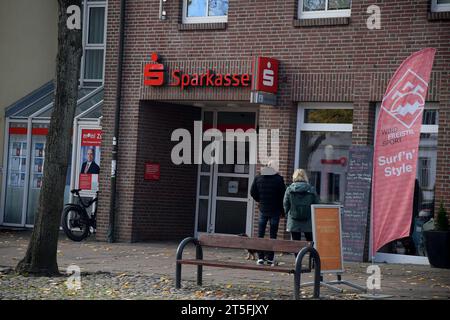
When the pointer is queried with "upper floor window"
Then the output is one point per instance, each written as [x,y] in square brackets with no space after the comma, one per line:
[94,42]
[311,9]
[204,11]
[440,5]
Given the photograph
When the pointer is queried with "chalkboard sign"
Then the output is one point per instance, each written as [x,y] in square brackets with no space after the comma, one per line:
[357,202]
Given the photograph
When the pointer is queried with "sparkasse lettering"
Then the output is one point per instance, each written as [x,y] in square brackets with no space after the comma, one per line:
[209,79]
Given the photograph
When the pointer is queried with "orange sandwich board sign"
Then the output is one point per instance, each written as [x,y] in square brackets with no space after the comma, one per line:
[326,224]
[327,237]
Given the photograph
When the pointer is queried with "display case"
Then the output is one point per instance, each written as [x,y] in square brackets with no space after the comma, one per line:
[37,169]
[16,173]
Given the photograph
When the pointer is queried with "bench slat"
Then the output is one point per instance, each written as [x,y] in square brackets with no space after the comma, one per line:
[239,242]
[234,265]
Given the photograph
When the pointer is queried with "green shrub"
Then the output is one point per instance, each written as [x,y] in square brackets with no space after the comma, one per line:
[442,219]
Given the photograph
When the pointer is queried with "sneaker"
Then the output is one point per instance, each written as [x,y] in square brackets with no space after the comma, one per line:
[260,262]
[271,263]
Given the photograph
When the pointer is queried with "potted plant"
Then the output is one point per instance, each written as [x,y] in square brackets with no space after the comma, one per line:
[437,241]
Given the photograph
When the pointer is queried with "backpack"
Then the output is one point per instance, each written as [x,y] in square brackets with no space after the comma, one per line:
[301,205]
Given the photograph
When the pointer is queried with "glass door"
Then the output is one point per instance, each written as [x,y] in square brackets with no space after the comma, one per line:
[224,204]
[38,140]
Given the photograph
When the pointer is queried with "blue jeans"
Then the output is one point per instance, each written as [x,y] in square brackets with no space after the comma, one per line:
[274,222]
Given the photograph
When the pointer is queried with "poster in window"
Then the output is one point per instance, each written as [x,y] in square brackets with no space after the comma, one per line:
[38,165]
[16,149]
[15,163]
[14,180]
[90,159]
[39,150]
[22,180]
[37,181]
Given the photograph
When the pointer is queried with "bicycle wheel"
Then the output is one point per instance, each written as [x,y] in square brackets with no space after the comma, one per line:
[75,223]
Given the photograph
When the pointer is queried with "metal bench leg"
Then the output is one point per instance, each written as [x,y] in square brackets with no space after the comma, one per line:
[297,281]
[199,256]
[179,256]
[178,276]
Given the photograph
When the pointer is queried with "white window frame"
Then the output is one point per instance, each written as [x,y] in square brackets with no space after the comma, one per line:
[435,7]
[341,13]
[87,5]
[424,128]
[330,127]
[205,19]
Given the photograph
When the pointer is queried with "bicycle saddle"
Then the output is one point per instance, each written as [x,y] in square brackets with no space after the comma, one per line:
[75,190]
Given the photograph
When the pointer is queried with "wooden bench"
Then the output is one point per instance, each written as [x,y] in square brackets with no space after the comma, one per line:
[258,244]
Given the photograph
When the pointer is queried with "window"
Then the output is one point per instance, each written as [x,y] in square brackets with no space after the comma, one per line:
[334,187]
[311,9]
[94,39]
[205,11]
[440,5]
[424,171]
[323,141]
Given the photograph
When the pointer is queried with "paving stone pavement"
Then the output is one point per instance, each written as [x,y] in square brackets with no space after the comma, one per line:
[146,271]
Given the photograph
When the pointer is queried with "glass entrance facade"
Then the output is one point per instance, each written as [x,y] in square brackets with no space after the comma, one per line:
[223,204]
[24,157]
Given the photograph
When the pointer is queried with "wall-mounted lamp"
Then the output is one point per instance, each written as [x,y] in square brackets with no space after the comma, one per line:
[162,10]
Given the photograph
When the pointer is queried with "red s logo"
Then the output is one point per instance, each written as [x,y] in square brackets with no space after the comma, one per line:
[266,75]
[154,72]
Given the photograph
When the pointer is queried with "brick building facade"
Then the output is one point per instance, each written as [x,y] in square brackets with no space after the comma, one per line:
[323,61]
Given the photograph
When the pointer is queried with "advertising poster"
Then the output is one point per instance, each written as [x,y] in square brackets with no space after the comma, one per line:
[90,159]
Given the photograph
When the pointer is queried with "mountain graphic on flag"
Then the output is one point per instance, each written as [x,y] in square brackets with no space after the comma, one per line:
[408,108]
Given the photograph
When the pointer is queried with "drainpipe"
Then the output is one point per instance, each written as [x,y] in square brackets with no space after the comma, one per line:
[112,204]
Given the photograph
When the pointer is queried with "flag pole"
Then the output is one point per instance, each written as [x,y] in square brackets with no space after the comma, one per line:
[373,294]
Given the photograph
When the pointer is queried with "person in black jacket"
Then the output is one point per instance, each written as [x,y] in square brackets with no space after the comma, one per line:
[268,189]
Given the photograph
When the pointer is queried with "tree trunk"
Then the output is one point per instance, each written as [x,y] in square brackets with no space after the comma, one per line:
[40,258]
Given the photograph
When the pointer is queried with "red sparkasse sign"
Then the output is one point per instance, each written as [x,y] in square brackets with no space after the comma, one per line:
[264,76]
[154,72]
[397,147]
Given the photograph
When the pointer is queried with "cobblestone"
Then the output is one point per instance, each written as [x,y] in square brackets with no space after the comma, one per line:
[146,271]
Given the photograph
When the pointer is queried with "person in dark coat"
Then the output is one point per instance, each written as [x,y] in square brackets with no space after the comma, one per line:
[299,197]
[268,189]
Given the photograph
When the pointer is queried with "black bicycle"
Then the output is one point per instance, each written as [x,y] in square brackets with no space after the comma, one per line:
[76,221]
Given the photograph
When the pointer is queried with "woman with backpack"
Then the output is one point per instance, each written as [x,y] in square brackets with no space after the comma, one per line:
[299,197]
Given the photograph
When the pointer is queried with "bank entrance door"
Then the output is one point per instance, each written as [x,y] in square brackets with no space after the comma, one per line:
[224,204]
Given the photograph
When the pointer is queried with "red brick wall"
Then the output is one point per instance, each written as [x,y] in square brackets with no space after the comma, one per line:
[443,161]
[344,50]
